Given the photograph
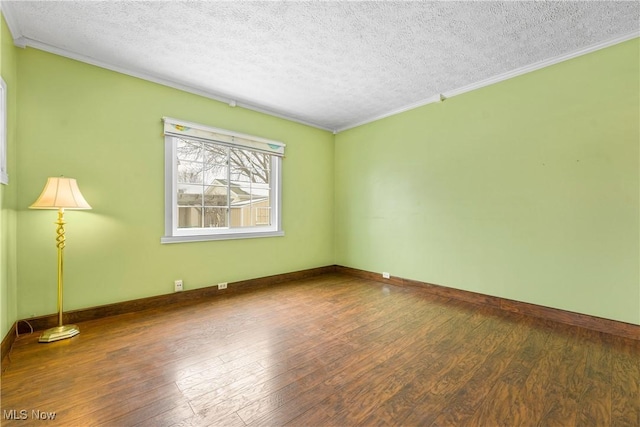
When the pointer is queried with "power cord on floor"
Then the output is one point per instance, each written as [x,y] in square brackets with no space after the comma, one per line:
[18,322]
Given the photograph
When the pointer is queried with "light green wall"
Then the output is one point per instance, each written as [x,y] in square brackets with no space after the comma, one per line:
[104,129]
[8,193]
[527,189]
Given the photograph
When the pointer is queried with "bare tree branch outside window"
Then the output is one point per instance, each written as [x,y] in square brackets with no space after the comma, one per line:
[207,175]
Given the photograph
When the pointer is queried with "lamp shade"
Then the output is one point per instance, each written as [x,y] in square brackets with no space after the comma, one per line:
[61,193]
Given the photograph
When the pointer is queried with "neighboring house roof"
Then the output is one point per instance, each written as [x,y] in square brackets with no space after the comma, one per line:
[235,188]
[239,196]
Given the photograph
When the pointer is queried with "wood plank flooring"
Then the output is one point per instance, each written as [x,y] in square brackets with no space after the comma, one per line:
[331,350]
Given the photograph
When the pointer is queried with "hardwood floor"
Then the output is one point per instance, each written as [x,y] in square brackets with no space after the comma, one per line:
[331,350]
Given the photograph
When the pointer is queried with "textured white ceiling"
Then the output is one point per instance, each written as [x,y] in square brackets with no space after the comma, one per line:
[330,64]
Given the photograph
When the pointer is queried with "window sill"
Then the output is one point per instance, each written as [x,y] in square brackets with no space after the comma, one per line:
[221,236]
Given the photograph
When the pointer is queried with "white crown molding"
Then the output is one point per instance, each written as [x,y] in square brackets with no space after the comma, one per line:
[12,22]
[542,64]
[165,82]
[21,41]
[430,100]
[499,78]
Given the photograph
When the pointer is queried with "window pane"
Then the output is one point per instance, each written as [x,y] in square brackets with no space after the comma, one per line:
[249,166]
[189,217]
[240,194]
[189,172]
[260,189]
[251,212]
[263,215]
[240,175]
[259,192]
[249,174]
[215,164]
[215,196]
[215,217]
[189,150]
[215,154]
[189,195]
[216,175]
[261,176]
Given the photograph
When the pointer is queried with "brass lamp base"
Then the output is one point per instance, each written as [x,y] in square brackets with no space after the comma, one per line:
[59,333]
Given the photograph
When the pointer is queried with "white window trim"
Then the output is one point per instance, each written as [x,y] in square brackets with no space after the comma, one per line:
[175,235]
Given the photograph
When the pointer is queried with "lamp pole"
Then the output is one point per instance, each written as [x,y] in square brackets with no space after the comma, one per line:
[60,240]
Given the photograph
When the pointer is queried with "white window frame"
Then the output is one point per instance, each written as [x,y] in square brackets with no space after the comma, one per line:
[173,234]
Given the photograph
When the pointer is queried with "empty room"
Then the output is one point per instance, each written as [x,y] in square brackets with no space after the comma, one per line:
[320,213]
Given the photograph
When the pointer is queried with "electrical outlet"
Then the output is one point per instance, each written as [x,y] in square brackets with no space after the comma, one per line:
[177,285]
[222,285]
[385,275]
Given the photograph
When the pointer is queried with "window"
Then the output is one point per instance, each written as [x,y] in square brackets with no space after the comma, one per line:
[220,184]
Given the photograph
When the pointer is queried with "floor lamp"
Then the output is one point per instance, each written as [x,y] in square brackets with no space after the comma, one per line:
[60,193]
